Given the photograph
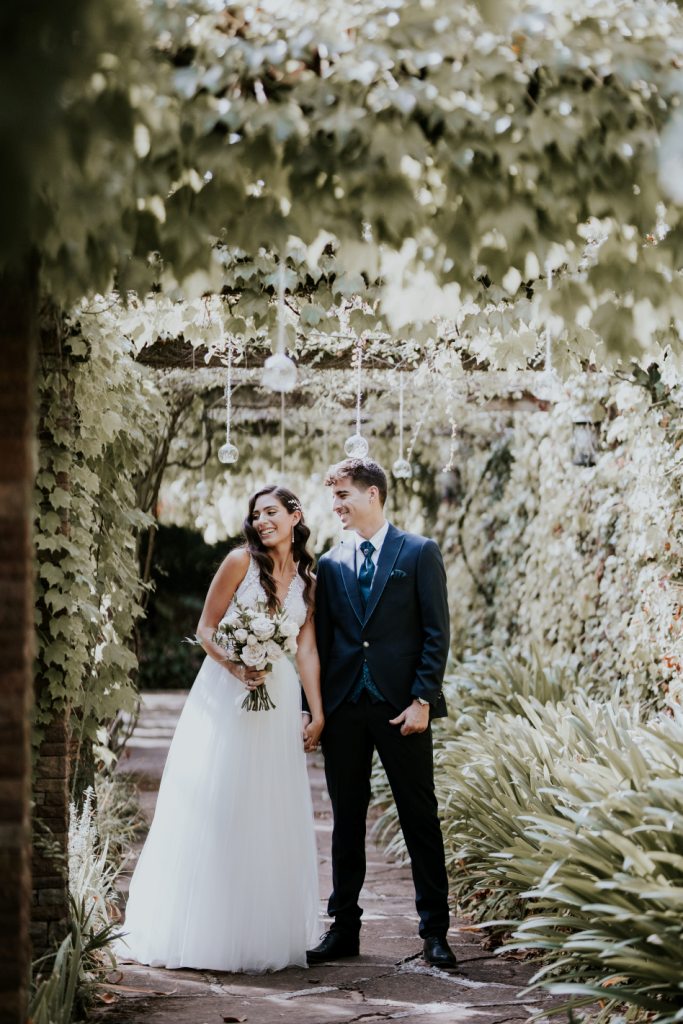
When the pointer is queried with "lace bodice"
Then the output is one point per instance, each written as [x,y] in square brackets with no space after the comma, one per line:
[250,591]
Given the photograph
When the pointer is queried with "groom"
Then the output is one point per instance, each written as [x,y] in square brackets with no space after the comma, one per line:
[383,632]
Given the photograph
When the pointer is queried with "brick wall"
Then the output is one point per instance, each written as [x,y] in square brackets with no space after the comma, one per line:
[49,914]
[52,773]
[17,344]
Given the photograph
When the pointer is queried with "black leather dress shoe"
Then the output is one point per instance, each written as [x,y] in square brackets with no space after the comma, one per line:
[334,946]
[438,953]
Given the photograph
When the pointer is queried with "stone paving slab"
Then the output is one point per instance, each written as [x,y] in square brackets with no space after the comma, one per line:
[389,981]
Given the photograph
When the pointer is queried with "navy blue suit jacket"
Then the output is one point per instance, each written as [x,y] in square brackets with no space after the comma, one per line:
[404,632]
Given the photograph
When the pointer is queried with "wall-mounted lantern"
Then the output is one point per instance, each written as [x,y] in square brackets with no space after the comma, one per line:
[586,419]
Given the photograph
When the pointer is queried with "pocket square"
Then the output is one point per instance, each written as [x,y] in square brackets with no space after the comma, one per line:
[397,574]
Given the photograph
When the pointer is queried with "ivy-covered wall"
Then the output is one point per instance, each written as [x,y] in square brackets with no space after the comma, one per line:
[99,419]
[17,295]
[580,562]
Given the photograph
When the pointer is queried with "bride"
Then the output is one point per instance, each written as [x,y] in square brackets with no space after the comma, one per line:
[227,878]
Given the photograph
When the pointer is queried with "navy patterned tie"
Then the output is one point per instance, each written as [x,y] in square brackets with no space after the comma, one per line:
[367,571]
[365,680]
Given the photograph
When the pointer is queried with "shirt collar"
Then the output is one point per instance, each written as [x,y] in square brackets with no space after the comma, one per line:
[377,540]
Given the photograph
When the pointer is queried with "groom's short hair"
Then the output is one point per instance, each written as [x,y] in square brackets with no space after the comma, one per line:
[363,472]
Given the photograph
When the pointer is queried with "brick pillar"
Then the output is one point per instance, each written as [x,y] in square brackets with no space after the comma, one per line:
[52,769]
[17,344]
[49,914]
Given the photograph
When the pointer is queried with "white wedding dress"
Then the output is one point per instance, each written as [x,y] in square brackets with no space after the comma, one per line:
[227,879]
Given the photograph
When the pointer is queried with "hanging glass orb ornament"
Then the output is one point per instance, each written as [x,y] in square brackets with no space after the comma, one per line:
[227,454]
[356,447]
[402,469]
[279,373]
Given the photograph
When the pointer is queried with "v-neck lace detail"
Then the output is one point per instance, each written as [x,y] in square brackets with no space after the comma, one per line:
[250,591]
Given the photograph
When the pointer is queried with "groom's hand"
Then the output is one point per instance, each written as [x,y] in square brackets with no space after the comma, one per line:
[415,718]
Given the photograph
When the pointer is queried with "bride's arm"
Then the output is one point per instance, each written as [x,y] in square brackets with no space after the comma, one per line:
[230,574]
[308,666]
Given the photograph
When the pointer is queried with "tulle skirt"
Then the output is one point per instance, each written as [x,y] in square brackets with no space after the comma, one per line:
[227,879]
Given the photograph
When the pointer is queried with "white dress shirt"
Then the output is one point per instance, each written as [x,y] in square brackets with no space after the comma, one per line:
[376,542]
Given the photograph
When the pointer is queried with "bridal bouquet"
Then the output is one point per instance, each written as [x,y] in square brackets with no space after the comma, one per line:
[254,637]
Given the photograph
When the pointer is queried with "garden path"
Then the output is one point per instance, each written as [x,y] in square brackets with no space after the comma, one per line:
[388,981]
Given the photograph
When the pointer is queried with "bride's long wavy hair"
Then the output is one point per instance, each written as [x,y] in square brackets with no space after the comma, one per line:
[259,552]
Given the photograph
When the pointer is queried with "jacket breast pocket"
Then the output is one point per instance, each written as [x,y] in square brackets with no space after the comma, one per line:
[400,577]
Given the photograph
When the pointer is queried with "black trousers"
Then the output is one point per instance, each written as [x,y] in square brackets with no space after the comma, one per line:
[351,733]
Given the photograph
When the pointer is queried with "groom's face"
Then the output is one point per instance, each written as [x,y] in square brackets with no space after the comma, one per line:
[353,504]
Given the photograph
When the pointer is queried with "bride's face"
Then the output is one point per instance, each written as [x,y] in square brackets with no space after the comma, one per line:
[272,521]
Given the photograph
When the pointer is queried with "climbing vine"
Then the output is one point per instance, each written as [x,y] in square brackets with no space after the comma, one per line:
[99,416]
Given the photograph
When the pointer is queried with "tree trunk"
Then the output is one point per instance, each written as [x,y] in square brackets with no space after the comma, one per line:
[18,346]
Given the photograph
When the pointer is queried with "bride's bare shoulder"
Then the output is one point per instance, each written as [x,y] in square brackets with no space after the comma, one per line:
[235,565]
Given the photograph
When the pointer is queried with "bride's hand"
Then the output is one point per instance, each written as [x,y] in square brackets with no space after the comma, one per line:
[251,677]
[312,734]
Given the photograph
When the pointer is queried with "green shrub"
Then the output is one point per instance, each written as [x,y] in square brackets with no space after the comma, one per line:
[495,682]
[563,824]
[62,996]
[99,832]
[608,906]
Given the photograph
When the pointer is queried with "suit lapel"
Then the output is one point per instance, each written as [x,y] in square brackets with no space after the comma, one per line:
[347,565]
[393,542]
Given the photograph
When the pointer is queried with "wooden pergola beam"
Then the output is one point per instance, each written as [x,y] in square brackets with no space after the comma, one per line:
[180,354]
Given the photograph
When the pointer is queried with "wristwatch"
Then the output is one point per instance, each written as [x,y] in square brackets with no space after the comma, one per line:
[421,700]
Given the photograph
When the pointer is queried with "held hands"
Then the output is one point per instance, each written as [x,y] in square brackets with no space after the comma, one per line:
[415,718]
[311,730]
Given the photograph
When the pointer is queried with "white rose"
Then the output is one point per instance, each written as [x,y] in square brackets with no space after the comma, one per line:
[254,656]
[290,644]
[274,650]
[251,640]
[289,628]
[263,627]
[241,635]
[232,618]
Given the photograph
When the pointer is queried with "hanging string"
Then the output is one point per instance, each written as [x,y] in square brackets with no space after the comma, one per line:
[282,433]
[453,453]
[356,447]
[279,371]
[418,426]
[359,381]
[400,415]
[228,453]
[425,411]
[548,339]
[280,342]
[401,468]
[228,395]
